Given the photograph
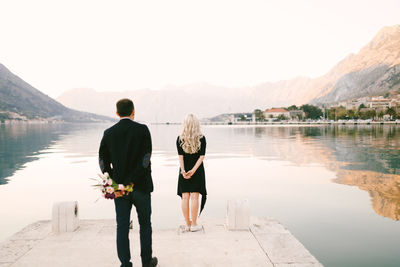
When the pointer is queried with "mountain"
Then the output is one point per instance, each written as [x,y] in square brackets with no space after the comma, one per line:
[19,99]
[173,102]
[374,70]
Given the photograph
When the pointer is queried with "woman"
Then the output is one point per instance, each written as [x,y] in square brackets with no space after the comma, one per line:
[191,145]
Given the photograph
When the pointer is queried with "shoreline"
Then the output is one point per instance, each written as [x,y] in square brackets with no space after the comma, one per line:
[20,122]
[297,123]
[283,123]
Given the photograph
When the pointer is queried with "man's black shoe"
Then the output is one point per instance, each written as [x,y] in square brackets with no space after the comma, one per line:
[153,262]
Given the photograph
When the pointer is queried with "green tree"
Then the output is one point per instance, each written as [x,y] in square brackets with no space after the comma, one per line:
[331,113]
[292,107]
[312,112]
[364,115]
[368,114]
[372,113]
[259,115]
[342,113]
[351,113]
[361,106]
[386,95]
[391,112]
[282,117]
[380,114]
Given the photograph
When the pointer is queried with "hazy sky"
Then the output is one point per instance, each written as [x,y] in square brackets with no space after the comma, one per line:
[124,45]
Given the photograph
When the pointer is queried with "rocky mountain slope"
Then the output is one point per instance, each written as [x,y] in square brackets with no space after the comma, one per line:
[374,70]
[19,99]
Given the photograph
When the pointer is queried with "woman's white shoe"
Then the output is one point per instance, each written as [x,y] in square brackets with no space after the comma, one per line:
[195,228]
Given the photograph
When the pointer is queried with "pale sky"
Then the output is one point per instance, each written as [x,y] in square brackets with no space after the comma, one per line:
[127,45]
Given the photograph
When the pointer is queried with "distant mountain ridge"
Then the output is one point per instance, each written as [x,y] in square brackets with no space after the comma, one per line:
[20,98]
[374,70]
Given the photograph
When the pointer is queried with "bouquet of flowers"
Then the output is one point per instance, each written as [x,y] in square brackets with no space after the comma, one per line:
[109,188]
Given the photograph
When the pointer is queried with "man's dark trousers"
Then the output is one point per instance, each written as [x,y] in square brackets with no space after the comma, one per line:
[123,206]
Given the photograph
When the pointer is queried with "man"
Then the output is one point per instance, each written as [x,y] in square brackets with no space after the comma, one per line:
[124,153]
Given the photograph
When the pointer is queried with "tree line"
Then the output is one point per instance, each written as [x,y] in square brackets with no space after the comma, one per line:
[311,112]
[335,113]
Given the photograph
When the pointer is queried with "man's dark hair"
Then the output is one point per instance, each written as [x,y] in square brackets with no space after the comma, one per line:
[125,107]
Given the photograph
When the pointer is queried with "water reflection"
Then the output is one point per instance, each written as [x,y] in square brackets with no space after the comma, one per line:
[22,143]
[368,151]
[364,156]
[384,190]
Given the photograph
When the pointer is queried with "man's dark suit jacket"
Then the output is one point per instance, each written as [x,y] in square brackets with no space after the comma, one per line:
[125,152]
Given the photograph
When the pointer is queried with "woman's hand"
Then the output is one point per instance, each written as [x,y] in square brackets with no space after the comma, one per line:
[185,175]
[190,173]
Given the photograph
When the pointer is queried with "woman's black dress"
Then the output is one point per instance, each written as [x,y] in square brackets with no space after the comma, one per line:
[198,181]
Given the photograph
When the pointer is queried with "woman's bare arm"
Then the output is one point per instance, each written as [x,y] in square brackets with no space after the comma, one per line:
[196,166]
[182,165]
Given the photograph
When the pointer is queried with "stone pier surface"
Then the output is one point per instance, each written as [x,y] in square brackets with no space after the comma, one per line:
[265,243]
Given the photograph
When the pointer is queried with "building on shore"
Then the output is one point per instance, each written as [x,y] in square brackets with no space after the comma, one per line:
[275,113]
[380,103]
[242,117]
[354,103]
[377,103]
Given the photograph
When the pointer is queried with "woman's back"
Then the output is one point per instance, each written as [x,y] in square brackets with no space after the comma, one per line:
[191,158]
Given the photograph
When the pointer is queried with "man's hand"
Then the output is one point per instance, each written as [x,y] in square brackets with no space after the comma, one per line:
[119,193]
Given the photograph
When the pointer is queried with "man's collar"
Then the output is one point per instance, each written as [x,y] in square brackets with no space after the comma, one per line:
[124,118]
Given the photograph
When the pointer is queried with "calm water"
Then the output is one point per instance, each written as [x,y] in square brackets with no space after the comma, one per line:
[336,188]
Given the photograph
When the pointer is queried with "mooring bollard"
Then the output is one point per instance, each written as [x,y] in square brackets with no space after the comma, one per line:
[65,216]
[238,217]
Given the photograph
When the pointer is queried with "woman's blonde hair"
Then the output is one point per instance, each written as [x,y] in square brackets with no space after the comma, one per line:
[191,134]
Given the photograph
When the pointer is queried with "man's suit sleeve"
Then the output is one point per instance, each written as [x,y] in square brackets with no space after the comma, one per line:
[104,157]
[144,166]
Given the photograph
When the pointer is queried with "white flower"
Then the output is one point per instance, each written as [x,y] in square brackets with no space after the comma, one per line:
[110,190]
[109,182]
[121,187]
[106,175]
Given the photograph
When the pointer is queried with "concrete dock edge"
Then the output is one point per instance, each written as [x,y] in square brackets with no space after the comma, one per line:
[265,243]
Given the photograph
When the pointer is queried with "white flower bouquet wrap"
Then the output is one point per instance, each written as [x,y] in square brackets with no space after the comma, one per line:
[109,188]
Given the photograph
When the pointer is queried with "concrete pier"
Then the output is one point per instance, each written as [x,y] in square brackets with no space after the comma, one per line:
[265,243]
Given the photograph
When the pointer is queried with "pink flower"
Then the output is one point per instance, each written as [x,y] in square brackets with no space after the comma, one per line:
[121,187]
[109,190]
[109,182]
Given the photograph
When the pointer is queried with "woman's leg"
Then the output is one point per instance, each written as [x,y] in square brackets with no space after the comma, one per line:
[194,206]
[185,207]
